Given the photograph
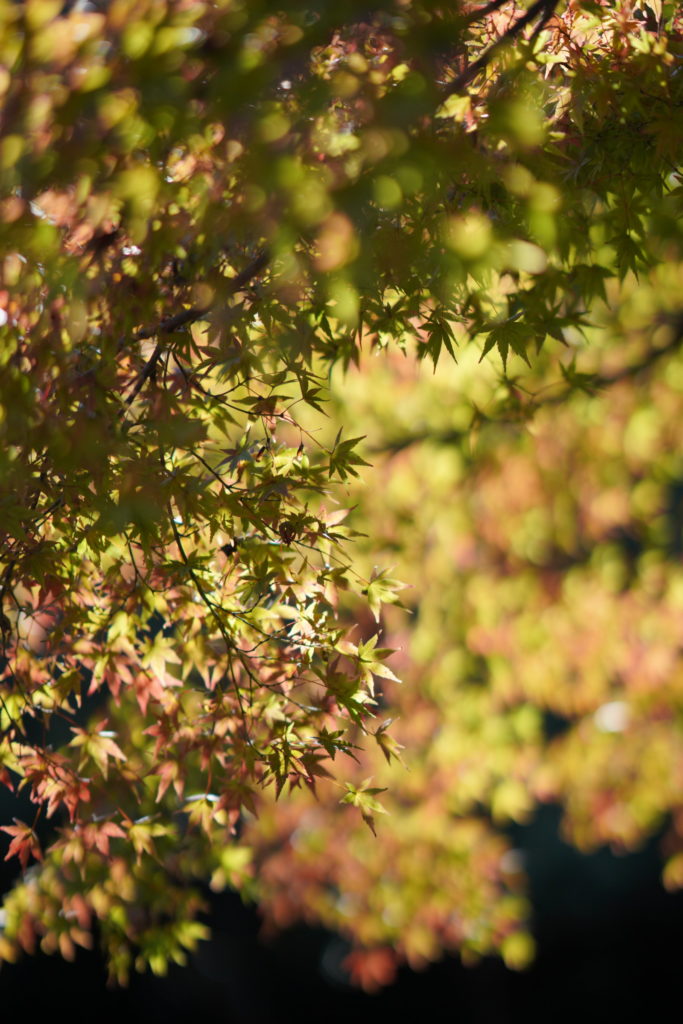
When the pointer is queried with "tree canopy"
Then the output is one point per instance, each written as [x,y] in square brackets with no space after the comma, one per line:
[236,239]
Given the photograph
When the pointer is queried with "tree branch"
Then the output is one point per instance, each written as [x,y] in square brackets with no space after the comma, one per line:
[145,373]
[481,12]
[545,8]
[174,323]
[189,316]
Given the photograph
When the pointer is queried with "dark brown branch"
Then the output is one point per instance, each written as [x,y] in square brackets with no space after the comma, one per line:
[481,12]
[188,316]
[545,8]
[144,375]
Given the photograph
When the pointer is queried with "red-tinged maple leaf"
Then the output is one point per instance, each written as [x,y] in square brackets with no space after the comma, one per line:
[77,908]
[313,766]
[76,793]
[66,946]
[116,675]
[372,969]
[147,686]
[169,773]
[162,732]
[52,781]
[236,796]
[61,786]
[24,843]
[97,835]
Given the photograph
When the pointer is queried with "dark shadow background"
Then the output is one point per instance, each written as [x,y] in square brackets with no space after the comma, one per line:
[609,949]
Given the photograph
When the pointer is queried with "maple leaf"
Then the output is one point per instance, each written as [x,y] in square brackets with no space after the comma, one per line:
[98,745]
[363,797]
[382,589]
[24,842]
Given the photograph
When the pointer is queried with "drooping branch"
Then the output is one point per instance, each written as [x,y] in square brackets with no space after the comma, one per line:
[189,316]
[482,12]
[544,8]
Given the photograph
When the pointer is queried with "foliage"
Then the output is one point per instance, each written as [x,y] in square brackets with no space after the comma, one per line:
[540,660]
[209,212]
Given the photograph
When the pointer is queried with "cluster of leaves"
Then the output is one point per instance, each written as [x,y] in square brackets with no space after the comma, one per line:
[541,658]
[205,207]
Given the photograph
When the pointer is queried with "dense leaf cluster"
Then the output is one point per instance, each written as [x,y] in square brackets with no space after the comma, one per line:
[206,208]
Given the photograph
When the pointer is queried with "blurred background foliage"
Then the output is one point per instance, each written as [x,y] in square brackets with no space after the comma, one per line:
[539,531]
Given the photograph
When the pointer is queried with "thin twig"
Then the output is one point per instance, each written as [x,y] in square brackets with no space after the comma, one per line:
[594,383]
